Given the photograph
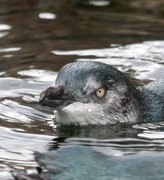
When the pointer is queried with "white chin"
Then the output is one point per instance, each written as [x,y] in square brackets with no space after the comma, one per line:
[81,114]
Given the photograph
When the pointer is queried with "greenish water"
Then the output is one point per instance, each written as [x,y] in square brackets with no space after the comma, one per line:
[37,38]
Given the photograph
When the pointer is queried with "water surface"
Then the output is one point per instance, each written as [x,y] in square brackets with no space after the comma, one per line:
[37,38]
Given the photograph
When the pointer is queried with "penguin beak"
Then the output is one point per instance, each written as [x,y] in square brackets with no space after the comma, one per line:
[56,97]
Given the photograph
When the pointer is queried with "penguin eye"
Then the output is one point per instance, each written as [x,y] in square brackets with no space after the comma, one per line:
[100,92]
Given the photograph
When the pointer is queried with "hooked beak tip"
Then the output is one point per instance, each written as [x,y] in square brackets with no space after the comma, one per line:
[42,97]
[55,97]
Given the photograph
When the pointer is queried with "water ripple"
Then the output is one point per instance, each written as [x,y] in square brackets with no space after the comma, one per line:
[17,150]
[142,58]
[26,126]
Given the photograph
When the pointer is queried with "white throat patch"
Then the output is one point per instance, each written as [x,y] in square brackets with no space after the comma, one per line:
[82,114]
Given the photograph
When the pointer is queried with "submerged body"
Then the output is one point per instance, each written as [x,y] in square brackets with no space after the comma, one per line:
[96,93]
[79,162]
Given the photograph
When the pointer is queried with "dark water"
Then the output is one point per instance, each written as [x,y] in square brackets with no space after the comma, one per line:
[38,37]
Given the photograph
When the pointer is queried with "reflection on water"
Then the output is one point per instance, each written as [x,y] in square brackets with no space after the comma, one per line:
[45,15]
[99,3]
[3,28]
[141,61]
[23,116]
[37,39]
[10,49]
[17,149]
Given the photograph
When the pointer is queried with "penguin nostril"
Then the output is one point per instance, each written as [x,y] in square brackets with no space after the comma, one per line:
[58,94]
